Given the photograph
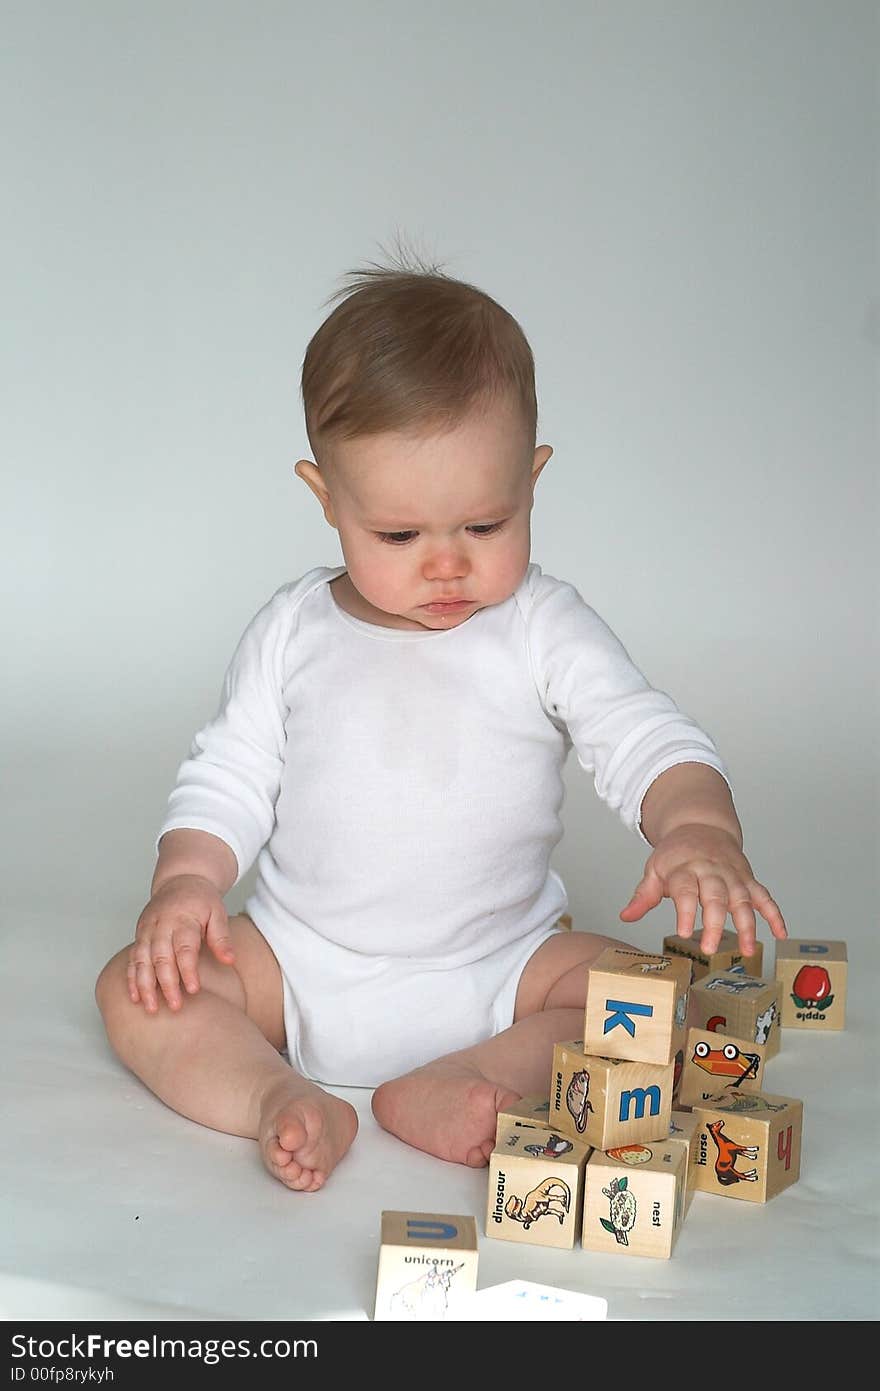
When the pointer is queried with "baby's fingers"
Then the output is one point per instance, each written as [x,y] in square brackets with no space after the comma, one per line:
[218,938]
[165,964]
[142,978]
[743,915]
[684,892]
[768,908]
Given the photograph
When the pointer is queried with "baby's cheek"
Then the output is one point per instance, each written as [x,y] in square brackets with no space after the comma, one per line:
[508,571]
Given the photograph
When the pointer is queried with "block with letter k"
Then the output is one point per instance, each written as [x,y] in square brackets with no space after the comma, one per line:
[636,1006]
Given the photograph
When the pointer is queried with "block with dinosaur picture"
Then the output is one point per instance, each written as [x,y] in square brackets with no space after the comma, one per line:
[536,1189]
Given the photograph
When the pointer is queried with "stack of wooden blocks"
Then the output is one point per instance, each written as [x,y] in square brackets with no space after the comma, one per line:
[662,1097]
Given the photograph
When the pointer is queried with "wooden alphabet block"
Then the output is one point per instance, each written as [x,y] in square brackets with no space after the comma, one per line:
[427,1266]
[606,1101]
[636,1006]
[717,1064]
[735,1003]
[811,974]
[727,955]
[536,1197]
[748,1146]
[635,1199]
[529,1113]
[683,1127]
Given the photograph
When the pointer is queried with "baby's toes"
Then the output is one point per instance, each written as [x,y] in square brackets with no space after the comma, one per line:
[478,1155]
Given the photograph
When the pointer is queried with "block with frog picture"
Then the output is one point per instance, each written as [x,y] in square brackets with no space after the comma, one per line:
[635,1199]
[718,1064]
[735,1003]
[536,1189]
[607,1101]
[728,954]
[748,1146]
[427,1266]
[811,974]
[636,1006]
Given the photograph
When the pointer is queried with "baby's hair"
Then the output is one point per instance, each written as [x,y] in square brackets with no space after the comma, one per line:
[410,349]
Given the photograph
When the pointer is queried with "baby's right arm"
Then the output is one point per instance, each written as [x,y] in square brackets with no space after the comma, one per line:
[193,872]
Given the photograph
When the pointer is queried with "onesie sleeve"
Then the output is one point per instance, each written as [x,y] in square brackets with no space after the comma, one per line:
[229,784]
[624,731]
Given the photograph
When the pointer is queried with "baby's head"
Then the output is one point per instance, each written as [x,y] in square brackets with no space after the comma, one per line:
[420,407]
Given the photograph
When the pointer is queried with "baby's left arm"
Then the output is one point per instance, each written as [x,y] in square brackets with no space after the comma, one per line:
[689,819]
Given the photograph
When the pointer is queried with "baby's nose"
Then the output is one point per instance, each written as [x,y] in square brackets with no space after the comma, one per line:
[446,561]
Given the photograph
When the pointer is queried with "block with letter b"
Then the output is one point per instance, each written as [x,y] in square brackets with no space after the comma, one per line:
[811,975]
[748,1146]
[607,1101]
[636,1006]
[728,955]
[427,1266]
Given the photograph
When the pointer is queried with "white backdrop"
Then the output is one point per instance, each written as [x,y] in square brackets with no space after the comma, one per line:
[677,201]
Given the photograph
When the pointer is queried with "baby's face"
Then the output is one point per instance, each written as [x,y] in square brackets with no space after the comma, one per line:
[430,518]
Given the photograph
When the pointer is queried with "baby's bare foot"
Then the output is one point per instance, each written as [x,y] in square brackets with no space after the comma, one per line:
[447,1108]
[304,1132]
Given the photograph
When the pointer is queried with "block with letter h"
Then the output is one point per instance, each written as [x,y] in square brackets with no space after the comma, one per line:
[748,1146]
[427,1266]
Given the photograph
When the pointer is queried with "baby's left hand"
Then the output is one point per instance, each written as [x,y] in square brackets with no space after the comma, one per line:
[703,864]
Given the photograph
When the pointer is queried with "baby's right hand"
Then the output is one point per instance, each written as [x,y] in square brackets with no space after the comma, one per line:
[168,939]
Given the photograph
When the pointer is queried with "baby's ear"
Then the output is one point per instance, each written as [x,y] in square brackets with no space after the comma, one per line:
[311,475]
[542,456]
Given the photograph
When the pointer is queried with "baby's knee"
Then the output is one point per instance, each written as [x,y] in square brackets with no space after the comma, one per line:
[112,983]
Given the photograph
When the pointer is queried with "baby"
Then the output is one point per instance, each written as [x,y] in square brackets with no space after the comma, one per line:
[388,749]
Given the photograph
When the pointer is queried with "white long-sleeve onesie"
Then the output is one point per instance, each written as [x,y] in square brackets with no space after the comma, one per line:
[401,793]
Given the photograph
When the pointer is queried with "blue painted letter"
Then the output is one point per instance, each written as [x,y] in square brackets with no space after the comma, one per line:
[622,1008]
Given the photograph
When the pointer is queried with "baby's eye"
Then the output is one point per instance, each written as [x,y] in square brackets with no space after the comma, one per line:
[395,538]
[401,538]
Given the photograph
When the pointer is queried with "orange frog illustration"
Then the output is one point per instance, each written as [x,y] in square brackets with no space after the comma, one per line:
[729,1061]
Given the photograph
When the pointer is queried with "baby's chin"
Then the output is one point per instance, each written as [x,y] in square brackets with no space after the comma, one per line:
[452,618]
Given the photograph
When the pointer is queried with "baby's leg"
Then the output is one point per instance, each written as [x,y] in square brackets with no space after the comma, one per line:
[216,1060]
[450,1106]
